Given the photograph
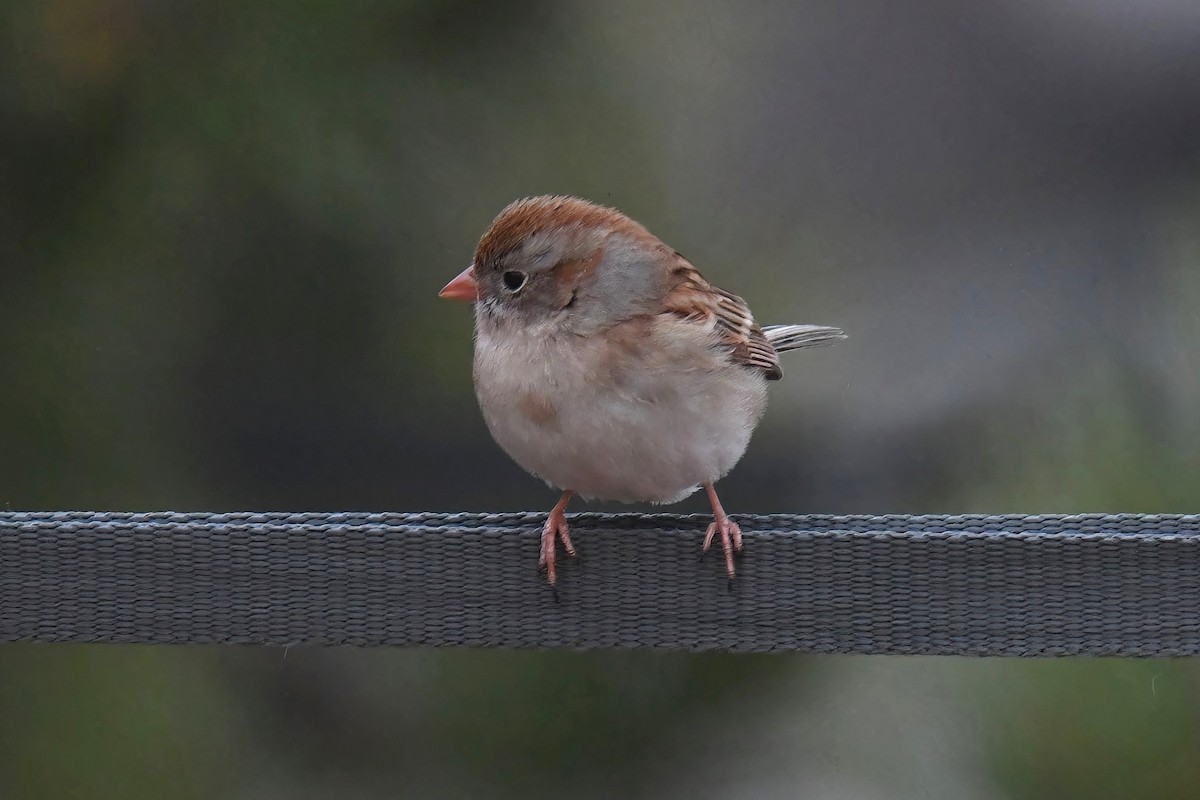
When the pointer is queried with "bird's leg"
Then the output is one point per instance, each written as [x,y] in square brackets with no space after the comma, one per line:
[555,529]
[731,534]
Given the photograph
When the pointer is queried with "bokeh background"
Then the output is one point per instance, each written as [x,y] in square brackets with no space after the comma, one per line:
[222,229]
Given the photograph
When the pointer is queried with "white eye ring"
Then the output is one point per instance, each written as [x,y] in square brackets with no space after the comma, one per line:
[514,281]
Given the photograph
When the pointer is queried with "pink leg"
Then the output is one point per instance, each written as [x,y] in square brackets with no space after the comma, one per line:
[731,534]
[554,530]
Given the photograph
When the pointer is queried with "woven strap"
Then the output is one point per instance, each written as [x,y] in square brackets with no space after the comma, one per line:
[974,585]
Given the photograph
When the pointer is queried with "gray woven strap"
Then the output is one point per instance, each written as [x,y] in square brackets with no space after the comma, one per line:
[979,585]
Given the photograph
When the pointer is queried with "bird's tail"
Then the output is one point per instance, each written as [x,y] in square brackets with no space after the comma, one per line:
[793,337]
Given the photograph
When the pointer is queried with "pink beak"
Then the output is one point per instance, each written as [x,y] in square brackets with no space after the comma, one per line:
[463,287]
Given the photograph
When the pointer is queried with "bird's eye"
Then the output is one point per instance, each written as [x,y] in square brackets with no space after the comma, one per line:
[514,281]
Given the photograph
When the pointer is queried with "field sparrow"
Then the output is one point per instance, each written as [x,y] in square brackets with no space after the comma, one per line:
[606,365]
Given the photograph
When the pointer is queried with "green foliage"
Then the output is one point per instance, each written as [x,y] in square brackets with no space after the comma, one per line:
[1096,729]
[113,722]
[590,717]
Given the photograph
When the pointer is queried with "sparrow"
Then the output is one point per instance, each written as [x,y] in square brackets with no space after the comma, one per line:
[607,366]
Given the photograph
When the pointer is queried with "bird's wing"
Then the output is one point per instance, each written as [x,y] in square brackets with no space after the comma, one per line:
[693,298]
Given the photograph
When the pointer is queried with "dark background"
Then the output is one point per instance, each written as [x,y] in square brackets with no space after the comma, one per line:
[223,226]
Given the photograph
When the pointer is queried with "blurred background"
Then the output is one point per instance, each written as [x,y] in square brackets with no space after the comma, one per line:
[223,226]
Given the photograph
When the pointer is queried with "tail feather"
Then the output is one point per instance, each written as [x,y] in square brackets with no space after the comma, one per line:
[793,337]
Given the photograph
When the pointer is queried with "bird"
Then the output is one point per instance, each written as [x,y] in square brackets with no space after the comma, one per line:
[607,366]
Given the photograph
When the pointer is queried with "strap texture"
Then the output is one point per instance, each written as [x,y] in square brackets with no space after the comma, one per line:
[1012,585]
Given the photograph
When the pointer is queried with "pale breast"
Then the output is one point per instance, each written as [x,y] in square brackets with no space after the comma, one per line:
[646,415]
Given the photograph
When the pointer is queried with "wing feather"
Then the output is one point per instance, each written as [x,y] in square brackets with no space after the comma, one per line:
[694,298]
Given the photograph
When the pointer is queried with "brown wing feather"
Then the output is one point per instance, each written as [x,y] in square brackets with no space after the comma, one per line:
[694,298]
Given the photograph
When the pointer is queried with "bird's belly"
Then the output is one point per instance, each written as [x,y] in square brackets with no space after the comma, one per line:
[655,435]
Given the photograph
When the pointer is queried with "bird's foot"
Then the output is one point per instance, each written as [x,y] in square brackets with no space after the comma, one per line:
[553,531]
[731,540]
[731,534]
